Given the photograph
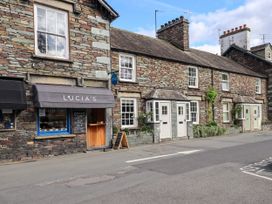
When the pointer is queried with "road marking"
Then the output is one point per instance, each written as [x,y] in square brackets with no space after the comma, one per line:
[162,156]
[252,174]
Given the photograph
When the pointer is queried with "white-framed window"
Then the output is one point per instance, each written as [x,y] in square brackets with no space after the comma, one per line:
[194,106]
[258,86]
[226,112]
[152,107]
[225,81]
[127,68]
[128,113]
[51,32]
[240,114]
[192,77]
[150,110]
[188,115]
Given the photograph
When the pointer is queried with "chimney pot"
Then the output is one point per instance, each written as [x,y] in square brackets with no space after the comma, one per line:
[236,28]
[228,31]
[232,29]
[241,27]
[177,19]
[245,25]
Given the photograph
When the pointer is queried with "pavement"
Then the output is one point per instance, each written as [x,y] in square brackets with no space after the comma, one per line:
[226,169]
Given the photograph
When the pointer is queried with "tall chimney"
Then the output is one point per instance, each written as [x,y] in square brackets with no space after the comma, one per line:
[176,32]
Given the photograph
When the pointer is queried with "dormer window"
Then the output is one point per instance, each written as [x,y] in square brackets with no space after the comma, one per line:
[51,32]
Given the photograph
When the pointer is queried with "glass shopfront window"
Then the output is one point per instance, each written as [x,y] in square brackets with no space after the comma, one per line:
[53,121]
[7,119]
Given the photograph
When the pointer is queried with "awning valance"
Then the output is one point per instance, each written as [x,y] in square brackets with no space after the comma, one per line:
[165,94]
[51,96]
[12,94]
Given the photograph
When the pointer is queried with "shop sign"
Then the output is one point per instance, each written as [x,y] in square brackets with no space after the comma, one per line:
[78,98]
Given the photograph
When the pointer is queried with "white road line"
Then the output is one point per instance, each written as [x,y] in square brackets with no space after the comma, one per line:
[161,156]
[252,174]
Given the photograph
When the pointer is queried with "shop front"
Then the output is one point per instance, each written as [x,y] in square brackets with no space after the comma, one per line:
[66,111]
[12,101]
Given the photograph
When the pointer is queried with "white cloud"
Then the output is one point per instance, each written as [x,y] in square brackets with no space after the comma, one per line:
[215,49]
[204,28]
[146,31]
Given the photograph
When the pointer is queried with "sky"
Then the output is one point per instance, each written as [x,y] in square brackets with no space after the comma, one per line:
[208,18]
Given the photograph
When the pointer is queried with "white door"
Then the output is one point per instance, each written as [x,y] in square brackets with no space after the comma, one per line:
[181,120]
[165,120]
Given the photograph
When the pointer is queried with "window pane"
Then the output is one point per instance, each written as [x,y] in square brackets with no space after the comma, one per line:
[51,44]
[128,115]
[187,111]
[61,24]
[157,111]
[53,120]
[7,120]
[41,43]
[226,117]
[224,77]
[61,47]
[41,13]
[51,22]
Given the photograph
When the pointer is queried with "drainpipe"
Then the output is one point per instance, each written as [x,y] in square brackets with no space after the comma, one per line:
[212,78]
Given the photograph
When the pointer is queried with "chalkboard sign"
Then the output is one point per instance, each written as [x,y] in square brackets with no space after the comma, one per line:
[121,141]
[79,122]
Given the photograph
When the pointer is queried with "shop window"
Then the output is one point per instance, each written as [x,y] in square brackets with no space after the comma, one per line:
[51,32]
[7,119]
[194,112]
[225,81]
[128,113]
[193,77]
[53,121]
[127,68]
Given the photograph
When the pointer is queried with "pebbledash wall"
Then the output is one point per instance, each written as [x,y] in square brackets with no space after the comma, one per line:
[154,73]
[89,56]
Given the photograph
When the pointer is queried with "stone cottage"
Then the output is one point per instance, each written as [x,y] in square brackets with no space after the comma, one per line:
[55,95]
[167,79]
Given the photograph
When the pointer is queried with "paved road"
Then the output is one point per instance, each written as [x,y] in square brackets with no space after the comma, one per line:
[229,169]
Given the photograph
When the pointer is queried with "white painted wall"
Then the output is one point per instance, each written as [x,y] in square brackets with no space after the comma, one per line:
[241,39]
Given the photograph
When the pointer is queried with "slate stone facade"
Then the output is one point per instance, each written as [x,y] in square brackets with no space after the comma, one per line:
[89,52]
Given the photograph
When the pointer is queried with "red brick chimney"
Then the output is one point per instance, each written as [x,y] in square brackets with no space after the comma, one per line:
[176,32]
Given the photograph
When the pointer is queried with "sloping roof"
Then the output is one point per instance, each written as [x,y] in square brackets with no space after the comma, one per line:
[109,8]
[126,41]
[260,47]
[165,94]
[245,99]
[233,46]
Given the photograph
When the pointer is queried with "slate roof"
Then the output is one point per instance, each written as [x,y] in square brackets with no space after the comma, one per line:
[126,41]
[260,47]
[245,99]
[165,94]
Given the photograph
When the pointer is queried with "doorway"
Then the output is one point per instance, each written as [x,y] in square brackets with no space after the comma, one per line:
[165,120]
[181,120]
[96,134]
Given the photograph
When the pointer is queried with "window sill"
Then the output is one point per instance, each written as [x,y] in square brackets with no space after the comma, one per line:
[226,91]
[52,59]
[192,87]
[226,122]
[7,130]
[131,82]
[129,128]
[54,137]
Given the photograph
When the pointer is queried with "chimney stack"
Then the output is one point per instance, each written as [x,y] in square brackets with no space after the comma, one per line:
[176,32]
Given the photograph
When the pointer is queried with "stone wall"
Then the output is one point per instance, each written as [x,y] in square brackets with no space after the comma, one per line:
[257,65]
[89,55]
[156,73]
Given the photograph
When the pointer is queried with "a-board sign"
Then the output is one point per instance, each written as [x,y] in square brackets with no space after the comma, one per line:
[121,141]
[79,122]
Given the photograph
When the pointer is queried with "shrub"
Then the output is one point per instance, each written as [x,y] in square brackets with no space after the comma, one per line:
[208,130]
